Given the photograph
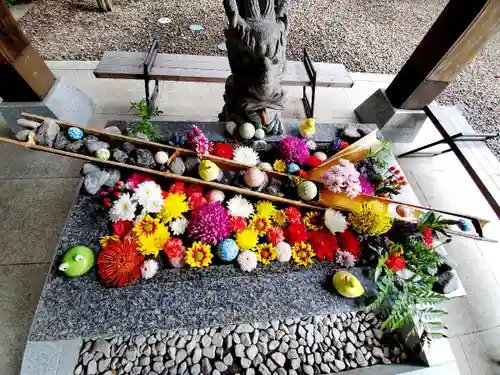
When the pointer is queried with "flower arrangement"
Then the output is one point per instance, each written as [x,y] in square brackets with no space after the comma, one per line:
[237,223]
[335,221]
[280,217]
[199,255]
[342,178]
[294,150]
[173,247]
[370,218]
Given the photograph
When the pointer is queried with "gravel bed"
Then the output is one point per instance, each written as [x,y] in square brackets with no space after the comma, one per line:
[366,36]
[314,345]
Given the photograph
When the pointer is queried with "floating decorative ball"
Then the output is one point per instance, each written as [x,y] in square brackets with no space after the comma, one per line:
[260,133]
[320,155]
[215,195]
[231,127]
[266,166]
[292,168]
[247,131]
[283,252]
[254,177]
[307,190]
[227,250]
[75,133]
[103,154]
[161,157]
[403,211]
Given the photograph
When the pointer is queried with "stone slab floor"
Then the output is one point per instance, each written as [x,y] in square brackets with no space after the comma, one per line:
[36,191]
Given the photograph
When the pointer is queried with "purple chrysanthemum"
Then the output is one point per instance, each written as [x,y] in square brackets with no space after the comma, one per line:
[209,224]
[293,150]
[366,186]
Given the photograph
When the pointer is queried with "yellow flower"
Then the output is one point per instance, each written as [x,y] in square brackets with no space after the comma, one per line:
[280,217]
[260,224]
[174,206]
[147,226]
[370,218]
[247,239]
[279,166]
[265,209]
[313,221]
[199,255]
[153,244]
[104,241]
[302,253]
[266,253]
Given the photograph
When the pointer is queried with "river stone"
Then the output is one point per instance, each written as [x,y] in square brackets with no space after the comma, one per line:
[113,130]
[145,158]
[239,350]
[377,352]
[61,141]
[360,358]
[180,356]
[197,355]
[75,146]
[92,368]
[191,165]
[141,339]
[182,367]
[177,166]
[47,133]
[244,328]
[93,181]
[114,176]
[209,352]
[33,125]
[309,370]
[349,349]
[273,345]
[92,146]
[378,333]
[128,147]
[228,359]
[263,370]
[119,155]
[195,369]
[340,365]
[251,352]
[279,358]
[295,363]
[158,367]
[206,367]
[352,337]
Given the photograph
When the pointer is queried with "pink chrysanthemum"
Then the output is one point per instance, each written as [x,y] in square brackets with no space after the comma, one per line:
[342,178]
[366,187]
[198,142]
[294,150]
[209,223]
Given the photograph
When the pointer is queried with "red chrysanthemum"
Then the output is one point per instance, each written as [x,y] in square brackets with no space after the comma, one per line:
[119,263]
[177,187]
[173,247]
[122,227]
[293,215]
[296,232]
[324,244]
[313,161]
[343,144]
[427,237]
[196,200]
[193,189]
[302,174]
[275,235]
[347,241]
[396,263]
[237,223]
[223,150]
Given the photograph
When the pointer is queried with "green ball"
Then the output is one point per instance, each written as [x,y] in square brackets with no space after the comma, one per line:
[307,190]
[77,261]
[103,154]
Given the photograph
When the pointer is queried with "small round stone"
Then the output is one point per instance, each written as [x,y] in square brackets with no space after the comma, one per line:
[320,155]
[247,131]
[103,154]
[260,133]
[265,166]
[161,157]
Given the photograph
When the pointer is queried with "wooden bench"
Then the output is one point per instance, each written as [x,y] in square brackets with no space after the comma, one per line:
[193,68]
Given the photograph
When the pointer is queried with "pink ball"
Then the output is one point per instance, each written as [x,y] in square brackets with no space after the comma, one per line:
[215,195]
[254,177]
[177,262]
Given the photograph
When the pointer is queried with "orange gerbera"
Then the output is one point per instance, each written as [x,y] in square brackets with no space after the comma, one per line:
[147,226]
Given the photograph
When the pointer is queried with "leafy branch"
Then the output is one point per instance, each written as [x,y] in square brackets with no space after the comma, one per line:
[145,127]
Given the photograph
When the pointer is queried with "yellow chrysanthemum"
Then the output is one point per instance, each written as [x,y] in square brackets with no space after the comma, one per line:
[247,239]
[152,245]
[147,226]
[302,253]
[174,206]
[265,209]
[280,217]
[370,218]
[279,166]
[199,255]
[266,253]
[261,224]
[314,221]
[105,240]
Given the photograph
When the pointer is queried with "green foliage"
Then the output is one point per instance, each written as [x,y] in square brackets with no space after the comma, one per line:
[381,157]
[145,126]
[434,221]
[11,3]
[419,258]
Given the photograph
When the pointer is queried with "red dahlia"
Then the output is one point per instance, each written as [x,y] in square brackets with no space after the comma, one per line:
[324,244]
[119,263]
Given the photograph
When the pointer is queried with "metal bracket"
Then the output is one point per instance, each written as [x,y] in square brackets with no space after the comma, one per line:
[311,72]
[147,64]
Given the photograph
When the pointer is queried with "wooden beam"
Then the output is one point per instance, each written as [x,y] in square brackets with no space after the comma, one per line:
[24,76]
[453,41]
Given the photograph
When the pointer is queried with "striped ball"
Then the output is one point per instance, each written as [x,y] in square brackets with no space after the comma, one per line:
[75,133]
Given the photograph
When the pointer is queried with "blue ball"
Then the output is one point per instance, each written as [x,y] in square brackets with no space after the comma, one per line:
[227,250]
[75,134]
[464,225]
[292,168]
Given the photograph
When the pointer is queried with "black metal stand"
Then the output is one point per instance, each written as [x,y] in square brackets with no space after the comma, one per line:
[311,72]
[147,64]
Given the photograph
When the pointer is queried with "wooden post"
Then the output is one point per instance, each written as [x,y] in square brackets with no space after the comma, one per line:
[453,41]
[24,76]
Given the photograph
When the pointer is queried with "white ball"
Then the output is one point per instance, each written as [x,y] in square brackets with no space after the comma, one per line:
[283,252]
[320,155]
[260,133]
[231,127]
[247,131]
[247,260]
[215,195]
[307,190]
[265,166]
[161,157]
[149,268]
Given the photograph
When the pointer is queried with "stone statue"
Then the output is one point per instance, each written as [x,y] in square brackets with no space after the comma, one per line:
[256,48]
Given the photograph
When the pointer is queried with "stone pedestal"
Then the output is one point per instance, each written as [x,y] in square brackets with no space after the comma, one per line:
[396,125]
[64,102]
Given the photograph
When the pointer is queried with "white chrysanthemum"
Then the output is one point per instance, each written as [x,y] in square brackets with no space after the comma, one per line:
[345,259]
[247,260]
[283,252]
[335,221]
[179,226]
[246,155]
[154,204]
[123,209]
[239,206]
[149,268]
[146,193]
